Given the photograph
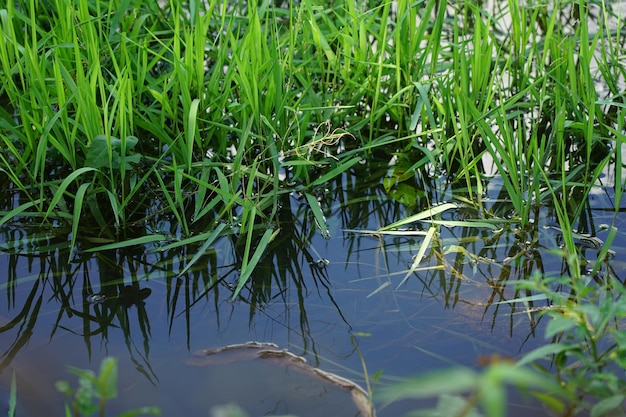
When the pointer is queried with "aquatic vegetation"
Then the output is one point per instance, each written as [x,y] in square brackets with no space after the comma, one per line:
[460,391]
[175,127]
[94,391]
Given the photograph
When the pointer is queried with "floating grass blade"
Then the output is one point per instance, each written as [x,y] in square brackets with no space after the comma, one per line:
[426,214]
[143,240]
[379,289]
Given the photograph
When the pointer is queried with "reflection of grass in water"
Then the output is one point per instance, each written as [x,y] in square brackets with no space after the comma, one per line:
[204,133]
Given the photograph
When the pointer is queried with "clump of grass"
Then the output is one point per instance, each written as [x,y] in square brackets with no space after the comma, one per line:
[95,391]
[91,396]
[113,111]
[518,97]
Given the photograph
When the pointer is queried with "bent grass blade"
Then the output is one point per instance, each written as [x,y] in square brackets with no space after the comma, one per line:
[420,255]
[78,208]
[209,241]
[249,264]
[18,210]
[130,242]
[344,166]
[320,219]
[426,214]
[63,187]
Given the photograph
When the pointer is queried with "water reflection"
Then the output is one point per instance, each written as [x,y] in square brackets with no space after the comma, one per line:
[143,304]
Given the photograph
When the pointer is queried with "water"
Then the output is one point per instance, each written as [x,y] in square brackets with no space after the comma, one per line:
[336,301]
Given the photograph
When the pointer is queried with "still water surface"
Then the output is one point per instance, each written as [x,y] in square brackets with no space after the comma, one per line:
[332,300]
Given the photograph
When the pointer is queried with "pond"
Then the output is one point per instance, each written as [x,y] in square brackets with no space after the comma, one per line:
[339,300]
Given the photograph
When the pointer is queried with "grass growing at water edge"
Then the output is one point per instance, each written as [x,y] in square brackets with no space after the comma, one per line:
[126,123]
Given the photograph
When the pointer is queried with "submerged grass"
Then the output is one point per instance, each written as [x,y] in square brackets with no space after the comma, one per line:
[113,112]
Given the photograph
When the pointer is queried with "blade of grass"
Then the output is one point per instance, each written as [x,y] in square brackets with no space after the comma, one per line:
[13,395]
[63,187]
[202,249]
[249,264]
[320,219]
[78,207]
[343,167]
[143,240]
[426,214]
[420,255]
[18,210]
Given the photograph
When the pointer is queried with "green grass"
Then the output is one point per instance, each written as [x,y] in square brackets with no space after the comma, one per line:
[112,113]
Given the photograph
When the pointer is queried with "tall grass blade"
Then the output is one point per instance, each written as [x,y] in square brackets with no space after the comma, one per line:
[191,132]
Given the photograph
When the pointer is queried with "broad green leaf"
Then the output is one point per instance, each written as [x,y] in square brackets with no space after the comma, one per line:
[544,352]
[560,324]
[493,396]
[107,379]
[550,401]
[404,194]
[448,381]
[521,377]
[608,406]
[98,152]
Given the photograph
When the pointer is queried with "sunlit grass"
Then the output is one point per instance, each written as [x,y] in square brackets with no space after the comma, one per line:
[114,111]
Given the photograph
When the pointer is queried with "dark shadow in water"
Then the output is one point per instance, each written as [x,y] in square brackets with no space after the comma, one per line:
[310,292]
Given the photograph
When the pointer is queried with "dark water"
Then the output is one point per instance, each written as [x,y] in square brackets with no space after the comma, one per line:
[335,300]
